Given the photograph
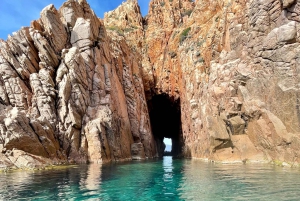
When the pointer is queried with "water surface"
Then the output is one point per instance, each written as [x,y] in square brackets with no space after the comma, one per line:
[165,179]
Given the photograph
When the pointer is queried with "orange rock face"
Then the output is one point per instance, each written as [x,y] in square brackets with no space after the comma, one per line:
[233,66]
[221,78]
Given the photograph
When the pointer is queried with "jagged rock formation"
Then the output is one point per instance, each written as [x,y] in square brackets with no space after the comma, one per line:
[234,67]
[221,76]
[70,93]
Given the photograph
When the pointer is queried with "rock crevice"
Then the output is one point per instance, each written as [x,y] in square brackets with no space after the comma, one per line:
[75,88]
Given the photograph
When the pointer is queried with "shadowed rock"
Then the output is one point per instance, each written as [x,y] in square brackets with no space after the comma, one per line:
[75,88]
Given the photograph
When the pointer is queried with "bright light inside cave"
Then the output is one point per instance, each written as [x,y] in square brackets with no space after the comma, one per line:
[168,143]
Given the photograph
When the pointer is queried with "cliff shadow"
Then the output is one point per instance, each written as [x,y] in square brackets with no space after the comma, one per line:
[165,117]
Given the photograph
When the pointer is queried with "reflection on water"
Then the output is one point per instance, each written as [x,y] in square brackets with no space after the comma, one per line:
[239,182]
[92,181]
[165,179]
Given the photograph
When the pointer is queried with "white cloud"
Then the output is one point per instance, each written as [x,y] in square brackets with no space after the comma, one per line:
[167,141]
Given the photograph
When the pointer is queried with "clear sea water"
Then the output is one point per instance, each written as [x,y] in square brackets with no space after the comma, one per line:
[167,179]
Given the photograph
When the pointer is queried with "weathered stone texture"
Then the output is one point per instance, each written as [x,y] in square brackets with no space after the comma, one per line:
[234,66]
[75,88]
[70,93]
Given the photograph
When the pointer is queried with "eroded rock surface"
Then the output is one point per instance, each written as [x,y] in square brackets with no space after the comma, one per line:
[234,65]
[76,88]
[70,93]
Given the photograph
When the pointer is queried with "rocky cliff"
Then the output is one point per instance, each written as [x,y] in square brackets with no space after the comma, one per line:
[221,78]
[70,92]
[232,67]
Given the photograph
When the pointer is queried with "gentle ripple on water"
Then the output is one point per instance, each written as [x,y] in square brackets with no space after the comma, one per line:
[165,179]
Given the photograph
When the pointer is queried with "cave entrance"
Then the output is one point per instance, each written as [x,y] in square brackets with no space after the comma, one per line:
[165,117]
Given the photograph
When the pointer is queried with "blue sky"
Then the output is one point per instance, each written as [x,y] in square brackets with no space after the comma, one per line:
[17,13]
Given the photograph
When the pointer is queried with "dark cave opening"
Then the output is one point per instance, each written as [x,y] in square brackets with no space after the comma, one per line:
[165,117]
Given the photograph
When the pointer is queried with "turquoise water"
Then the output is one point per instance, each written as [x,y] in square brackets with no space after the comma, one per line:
[165,179]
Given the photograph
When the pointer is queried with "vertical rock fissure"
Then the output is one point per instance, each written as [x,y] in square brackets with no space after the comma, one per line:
[165,117]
